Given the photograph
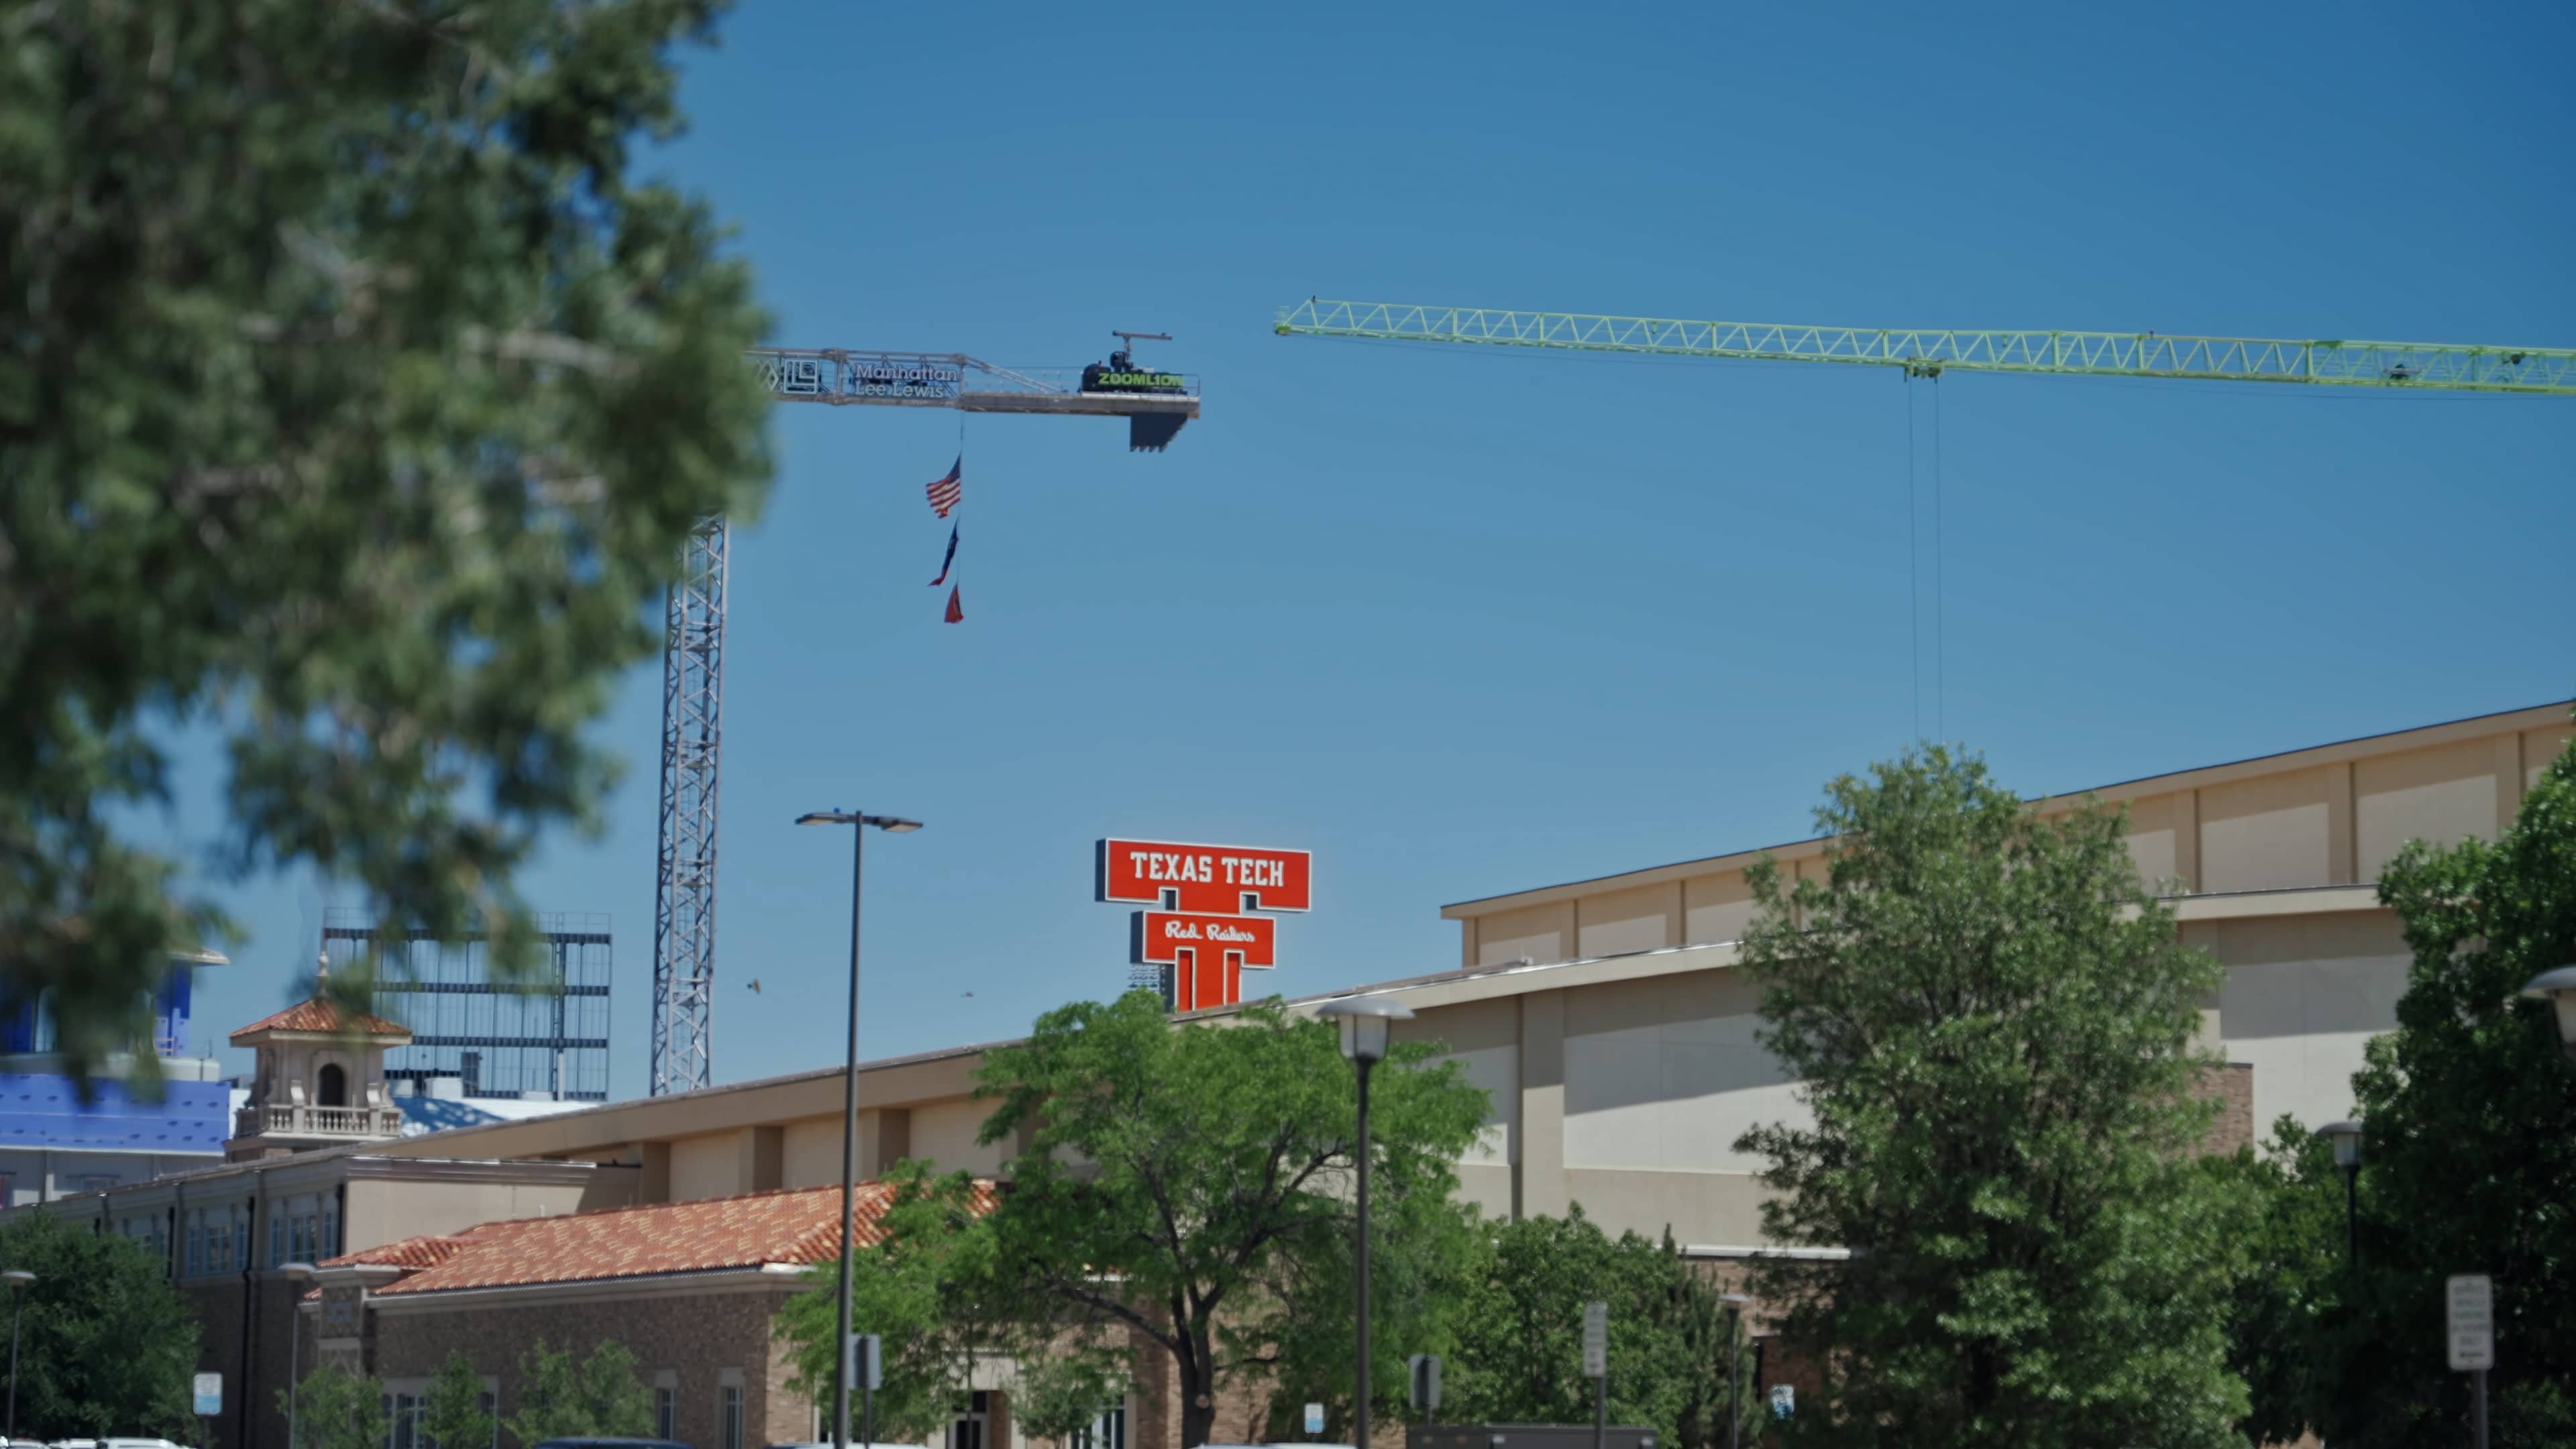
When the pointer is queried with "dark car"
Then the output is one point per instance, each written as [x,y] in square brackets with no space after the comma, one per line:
[586,1443]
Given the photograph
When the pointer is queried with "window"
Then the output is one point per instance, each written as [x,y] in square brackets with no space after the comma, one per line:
[666,1411]
[729,1417]
[94,1182]
[1109,1431]
[277,1240]
[332,1090]
[192,1251]
[8,1194]
[403,1413]
[330,1228]
[967,1431]
[489,1401]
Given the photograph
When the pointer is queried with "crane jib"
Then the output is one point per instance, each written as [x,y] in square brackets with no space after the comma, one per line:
[1931,351]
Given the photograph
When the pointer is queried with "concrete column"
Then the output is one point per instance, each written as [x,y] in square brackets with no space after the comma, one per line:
[1675,914]
[2339,833]
[2509,769]
[2186,818]
[885,1138]
[653,1183]
[764,1152]
[1538,1167]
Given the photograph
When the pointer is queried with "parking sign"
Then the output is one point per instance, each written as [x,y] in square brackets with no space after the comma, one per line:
[209,1395]
[2471,1300]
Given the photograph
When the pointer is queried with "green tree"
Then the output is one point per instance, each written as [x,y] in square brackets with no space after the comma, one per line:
[1180,1192]
[600,1396]
[1993,1028]
[106,1344]
[452,1411]
[355,399]
[2470,1110]
[1518,1333]
[337,1409]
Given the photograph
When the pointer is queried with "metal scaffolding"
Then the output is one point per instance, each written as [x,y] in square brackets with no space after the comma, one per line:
[550,1035]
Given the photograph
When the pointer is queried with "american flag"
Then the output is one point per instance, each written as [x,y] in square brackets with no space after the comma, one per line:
[945,492]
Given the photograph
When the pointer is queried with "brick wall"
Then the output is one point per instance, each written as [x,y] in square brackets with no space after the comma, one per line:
[693,1335]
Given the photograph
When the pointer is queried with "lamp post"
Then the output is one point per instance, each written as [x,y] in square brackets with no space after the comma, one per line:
[850,1094]
[298,1274]
[2346,1137]
[18,1279]
[1367,1022]
[2558,988]
[1734,1367]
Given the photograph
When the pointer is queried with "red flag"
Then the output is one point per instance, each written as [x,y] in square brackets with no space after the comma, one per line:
[956,615]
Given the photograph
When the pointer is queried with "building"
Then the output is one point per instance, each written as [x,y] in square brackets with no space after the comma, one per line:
[56,1140]
[547,1038]
[1605,1017]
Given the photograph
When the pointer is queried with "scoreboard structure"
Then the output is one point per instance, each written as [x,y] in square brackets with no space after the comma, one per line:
[1211,911]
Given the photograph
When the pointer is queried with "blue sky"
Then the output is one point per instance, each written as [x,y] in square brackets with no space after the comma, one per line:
[1463,624]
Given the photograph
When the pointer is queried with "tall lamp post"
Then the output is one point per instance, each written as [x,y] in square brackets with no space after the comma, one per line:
[850,1095]
[1367,1022]
[1734,1367]
[18,1280]
[2558,988]
[297,1274]
[2346,1137]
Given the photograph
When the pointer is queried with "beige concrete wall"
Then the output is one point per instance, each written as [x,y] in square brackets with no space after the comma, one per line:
[385,1211]
[707,1166]
[1541,933]
[812,1151]
[944,1132]
[1664,1075]
[2303,994]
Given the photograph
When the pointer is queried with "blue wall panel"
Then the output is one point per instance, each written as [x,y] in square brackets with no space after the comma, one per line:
[46,1111]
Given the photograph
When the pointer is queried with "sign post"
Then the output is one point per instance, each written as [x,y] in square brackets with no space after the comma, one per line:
[1425,1378]
[1314,1418]
[2469,1299]
[208,1394]
[1596,1367]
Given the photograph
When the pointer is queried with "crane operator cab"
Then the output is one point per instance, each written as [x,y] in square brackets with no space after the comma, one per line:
[1122,376]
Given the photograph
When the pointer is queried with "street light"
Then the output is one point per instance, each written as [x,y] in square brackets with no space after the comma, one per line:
[2558,988]
[850,1095]
[18,1279]
[1366,1022]
[295,1273]
[1734,1367]
[2346,1137]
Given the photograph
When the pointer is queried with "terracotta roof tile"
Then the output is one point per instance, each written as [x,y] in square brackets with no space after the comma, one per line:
[427,1251]
[317,1014]
[801,1225]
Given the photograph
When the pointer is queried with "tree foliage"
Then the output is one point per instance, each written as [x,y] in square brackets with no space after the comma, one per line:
[106,1345]
[2470,1112]
[452,1411]
[1179,1192]
[354,402]
[601,1397]
[1518,1335]
[337,1409]
[1992,1024]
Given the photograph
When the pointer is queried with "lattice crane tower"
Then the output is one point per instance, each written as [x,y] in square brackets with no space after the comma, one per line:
[1155,404]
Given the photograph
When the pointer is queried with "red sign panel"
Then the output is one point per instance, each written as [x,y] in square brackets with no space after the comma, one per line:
[1205,879]
[1162,938]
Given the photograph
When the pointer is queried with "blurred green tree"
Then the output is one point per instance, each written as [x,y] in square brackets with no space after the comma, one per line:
[355,399]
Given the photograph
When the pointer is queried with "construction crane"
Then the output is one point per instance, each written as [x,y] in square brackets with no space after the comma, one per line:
[1927,352]
[1155,404]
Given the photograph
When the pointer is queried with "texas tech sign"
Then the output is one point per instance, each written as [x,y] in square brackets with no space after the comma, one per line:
[1201,899]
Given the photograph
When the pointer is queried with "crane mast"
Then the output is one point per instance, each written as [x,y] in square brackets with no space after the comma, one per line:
[1156,405]
[1931,351]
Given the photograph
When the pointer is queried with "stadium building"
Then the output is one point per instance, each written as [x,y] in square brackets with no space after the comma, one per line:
[1605,1017]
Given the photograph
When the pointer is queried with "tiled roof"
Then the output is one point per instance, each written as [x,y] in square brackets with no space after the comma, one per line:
[801,1225]
[318,1014]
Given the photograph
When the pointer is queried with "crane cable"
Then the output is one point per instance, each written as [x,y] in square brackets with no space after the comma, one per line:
[1914,570]
[1913,564]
